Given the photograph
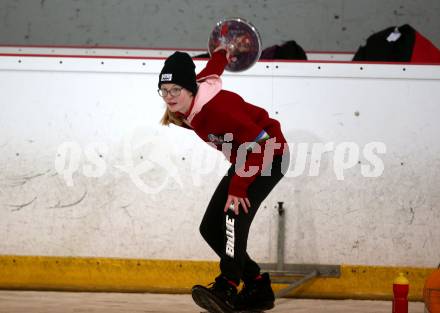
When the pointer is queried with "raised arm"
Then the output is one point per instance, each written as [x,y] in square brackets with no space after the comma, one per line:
[215,65]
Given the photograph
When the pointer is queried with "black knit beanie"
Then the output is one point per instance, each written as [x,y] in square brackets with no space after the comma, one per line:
[179,69]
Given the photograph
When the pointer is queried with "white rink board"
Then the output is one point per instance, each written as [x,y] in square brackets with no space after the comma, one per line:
[138,190]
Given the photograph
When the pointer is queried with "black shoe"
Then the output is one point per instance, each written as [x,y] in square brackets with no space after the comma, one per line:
[256,295]
[219,297]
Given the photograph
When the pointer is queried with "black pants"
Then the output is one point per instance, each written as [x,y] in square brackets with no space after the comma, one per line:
[227,233]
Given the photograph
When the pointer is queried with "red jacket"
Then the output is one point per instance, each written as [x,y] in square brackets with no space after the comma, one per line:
[227,122]
[424,50]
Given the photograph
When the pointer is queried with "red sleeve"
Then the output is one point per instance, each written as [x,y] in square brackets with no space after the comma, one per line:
[215,65]
[239,185]
[246,132]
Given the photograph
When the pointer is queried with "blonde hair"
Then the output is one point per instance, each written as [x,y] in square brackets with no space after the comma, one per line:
[171,118]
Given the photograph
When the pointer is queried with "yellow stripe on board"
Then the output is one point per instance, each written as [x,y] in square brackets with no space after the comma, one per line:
[169,276]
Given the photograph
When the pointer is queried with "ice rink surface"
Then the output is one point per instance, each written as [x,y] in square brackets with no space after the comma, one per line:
[75,302]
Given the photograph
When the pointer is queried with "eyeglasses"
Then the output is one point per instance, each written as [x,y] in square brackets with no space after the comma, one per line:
[174,92]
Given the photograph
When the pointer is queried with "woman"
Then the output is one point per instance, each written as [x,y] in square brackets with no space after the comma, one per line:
[255,146]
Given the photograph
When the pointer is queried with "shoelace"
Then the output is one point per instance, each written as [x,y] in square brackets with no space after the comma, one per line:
[213,286]
[217,286]
[248,291]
